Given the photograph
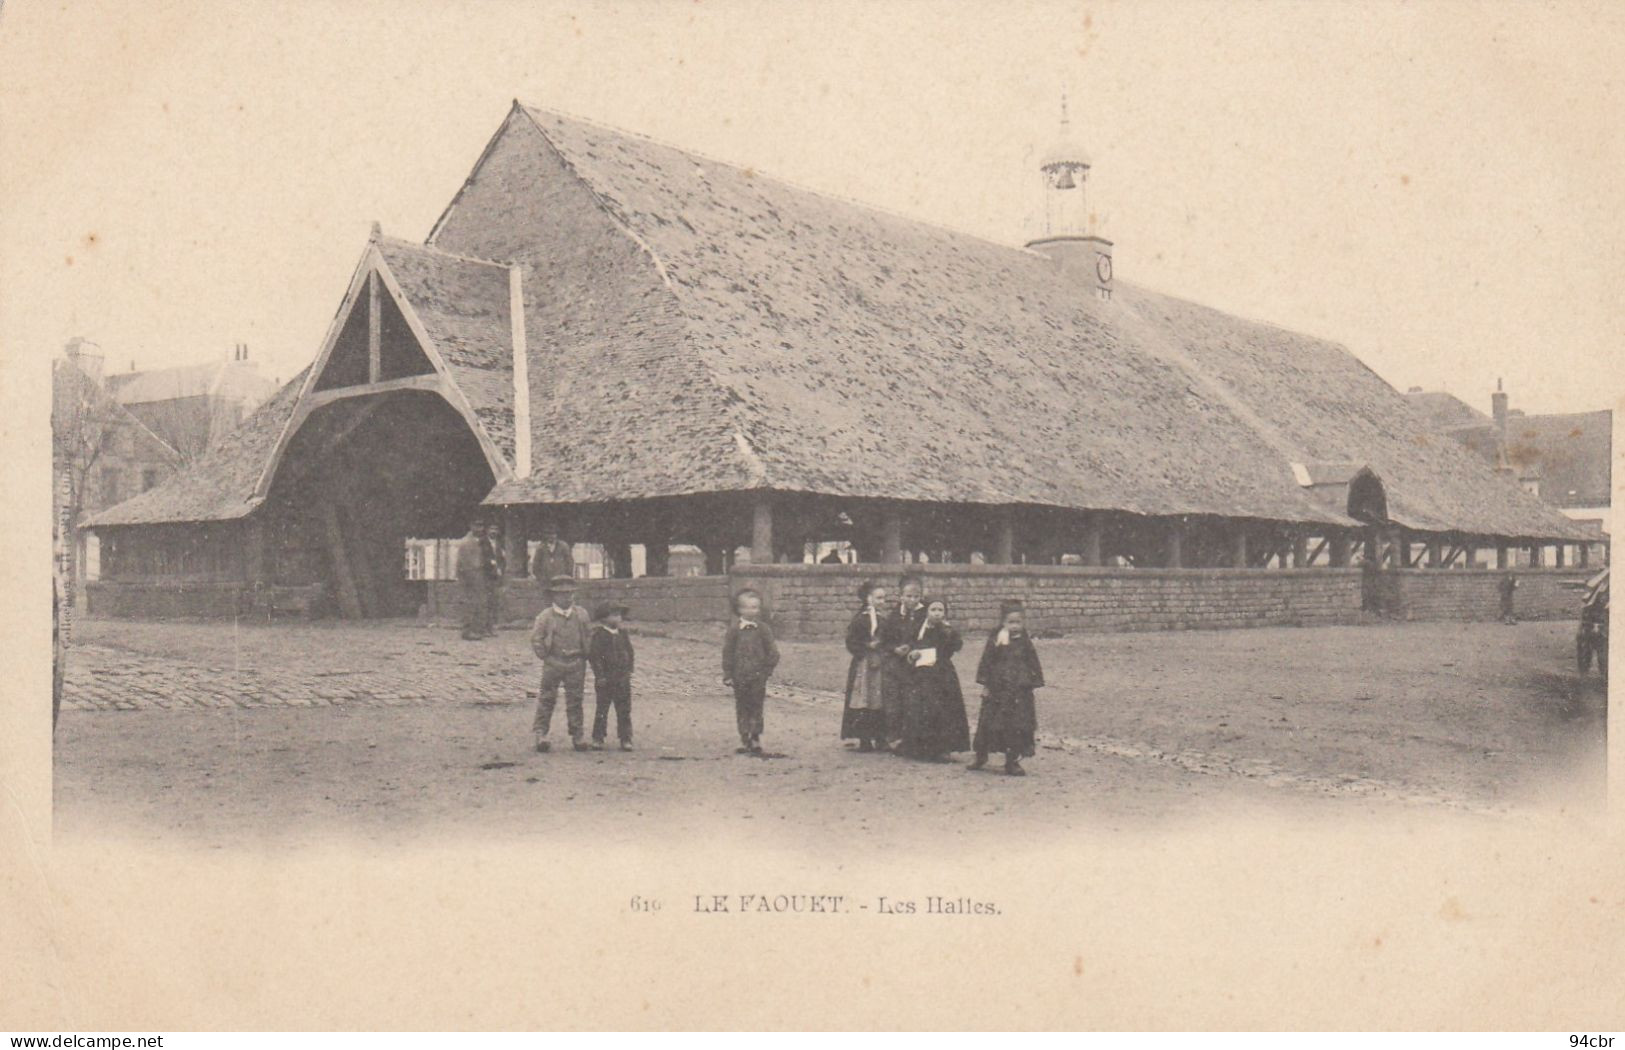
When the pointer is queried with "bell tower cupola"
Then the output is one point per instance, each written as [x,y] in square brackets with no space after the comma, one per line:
[1068,236]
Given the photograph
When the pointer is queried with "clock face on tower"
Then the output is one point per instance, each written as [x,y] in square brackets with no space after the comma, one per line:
[1103,267]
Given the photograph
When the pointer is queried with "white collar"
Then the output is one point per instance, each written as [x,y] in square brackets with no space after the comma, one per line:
[744,623]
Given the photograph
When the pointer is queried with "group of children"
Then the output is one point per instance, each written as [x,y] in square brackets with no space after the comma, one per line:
[902,694]
[568,642]
[902,691]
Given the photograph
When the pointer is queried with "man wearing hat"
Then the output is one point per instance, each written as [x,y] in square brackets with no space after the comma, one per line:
[610,653]
[553,556]
[561,637]
[473,572]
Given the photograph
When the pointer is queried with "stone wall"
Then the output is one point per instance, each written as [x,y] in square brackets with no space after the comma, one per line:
[1474,594]
[653,599]
[167,599]
[818,601]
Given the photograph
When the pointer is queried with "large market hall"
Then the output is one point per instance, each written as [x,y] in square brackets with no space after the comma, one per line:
[646,350]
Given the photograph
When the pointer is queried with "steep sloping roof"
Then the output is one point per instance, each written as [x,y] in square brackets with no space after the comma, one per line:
[865,354]
[219,486]
[694,326]
[234,380]
[1443,410]
[862,354]
[1326,403]
[463,303]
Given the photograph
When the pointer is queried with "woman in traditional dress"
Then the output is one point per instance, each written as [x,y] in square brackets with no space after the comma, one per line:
[1009,672]
[897,637]
[864,718]
[935,723]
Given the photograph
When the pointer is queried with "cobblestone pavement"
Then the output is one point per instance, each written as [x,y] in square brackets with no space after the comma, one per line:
[414,728]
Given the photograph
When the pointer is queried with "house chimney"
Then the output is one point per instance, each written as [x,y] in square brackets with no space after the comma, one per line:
[1498,408]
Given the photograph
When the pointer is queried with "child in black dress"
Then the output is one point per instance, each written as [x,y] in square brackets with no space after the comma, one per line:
[864,717]
[1009,672]
[934,706]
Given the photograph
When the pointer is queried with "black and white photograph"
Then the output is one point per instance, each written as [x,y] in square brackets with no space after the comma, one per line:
[1115,493]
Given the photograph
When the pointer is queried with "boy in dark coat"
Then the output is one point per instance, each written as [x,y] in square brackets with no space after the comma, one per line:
[749,655]
[610,654]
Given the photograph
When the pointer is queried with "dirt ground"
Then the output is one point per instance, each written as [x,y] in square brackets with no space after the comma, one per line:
[221,734]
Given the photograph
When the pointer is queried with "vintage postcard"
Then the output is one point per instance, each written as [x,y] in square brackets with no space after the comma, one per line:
[833,515]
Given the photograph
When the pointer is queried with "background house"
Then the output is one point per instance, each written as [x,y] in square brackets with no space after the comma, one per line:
[101,455]
[1564,458]
[191,407]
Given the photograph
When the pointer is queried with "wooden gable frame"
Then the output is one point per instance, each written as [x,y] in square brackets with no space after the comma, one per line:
[370,281]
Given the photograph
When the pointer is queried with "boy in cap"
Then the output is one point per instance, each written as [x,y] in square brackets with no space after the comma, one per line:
[610,653]
[749,655]
[561,637]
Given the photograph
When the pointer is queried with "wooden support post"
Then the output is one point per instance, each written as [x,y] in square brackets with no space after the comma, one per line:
[891,535]
[657,558]
[1174,544]
[1502,557]
[1471,552]
[515,544]
[619,556]
[761,529]
[363,565]
[716,560]
[1004,538]
[1091,539]
[1238,546]
[1583,554]
[254,573]
[349,600]
[1537,555]
[1300,550]
[375,322]
[1562,550]
[1435,555]
[1340,550]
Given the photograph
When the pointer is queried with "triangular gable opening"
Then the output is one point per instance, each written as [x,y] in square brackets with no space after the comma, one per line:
[347,364]
[399,352]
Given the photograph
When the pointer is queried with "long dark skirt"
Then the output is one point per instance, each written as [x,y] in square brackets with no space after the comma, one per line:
[892,687]
[1007,722]
[934,712]
[864,716]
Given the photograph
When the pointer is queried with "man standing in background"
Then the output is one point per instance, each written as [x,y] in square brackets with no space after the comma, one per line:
[496,568]
[473,572]
[554,557]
